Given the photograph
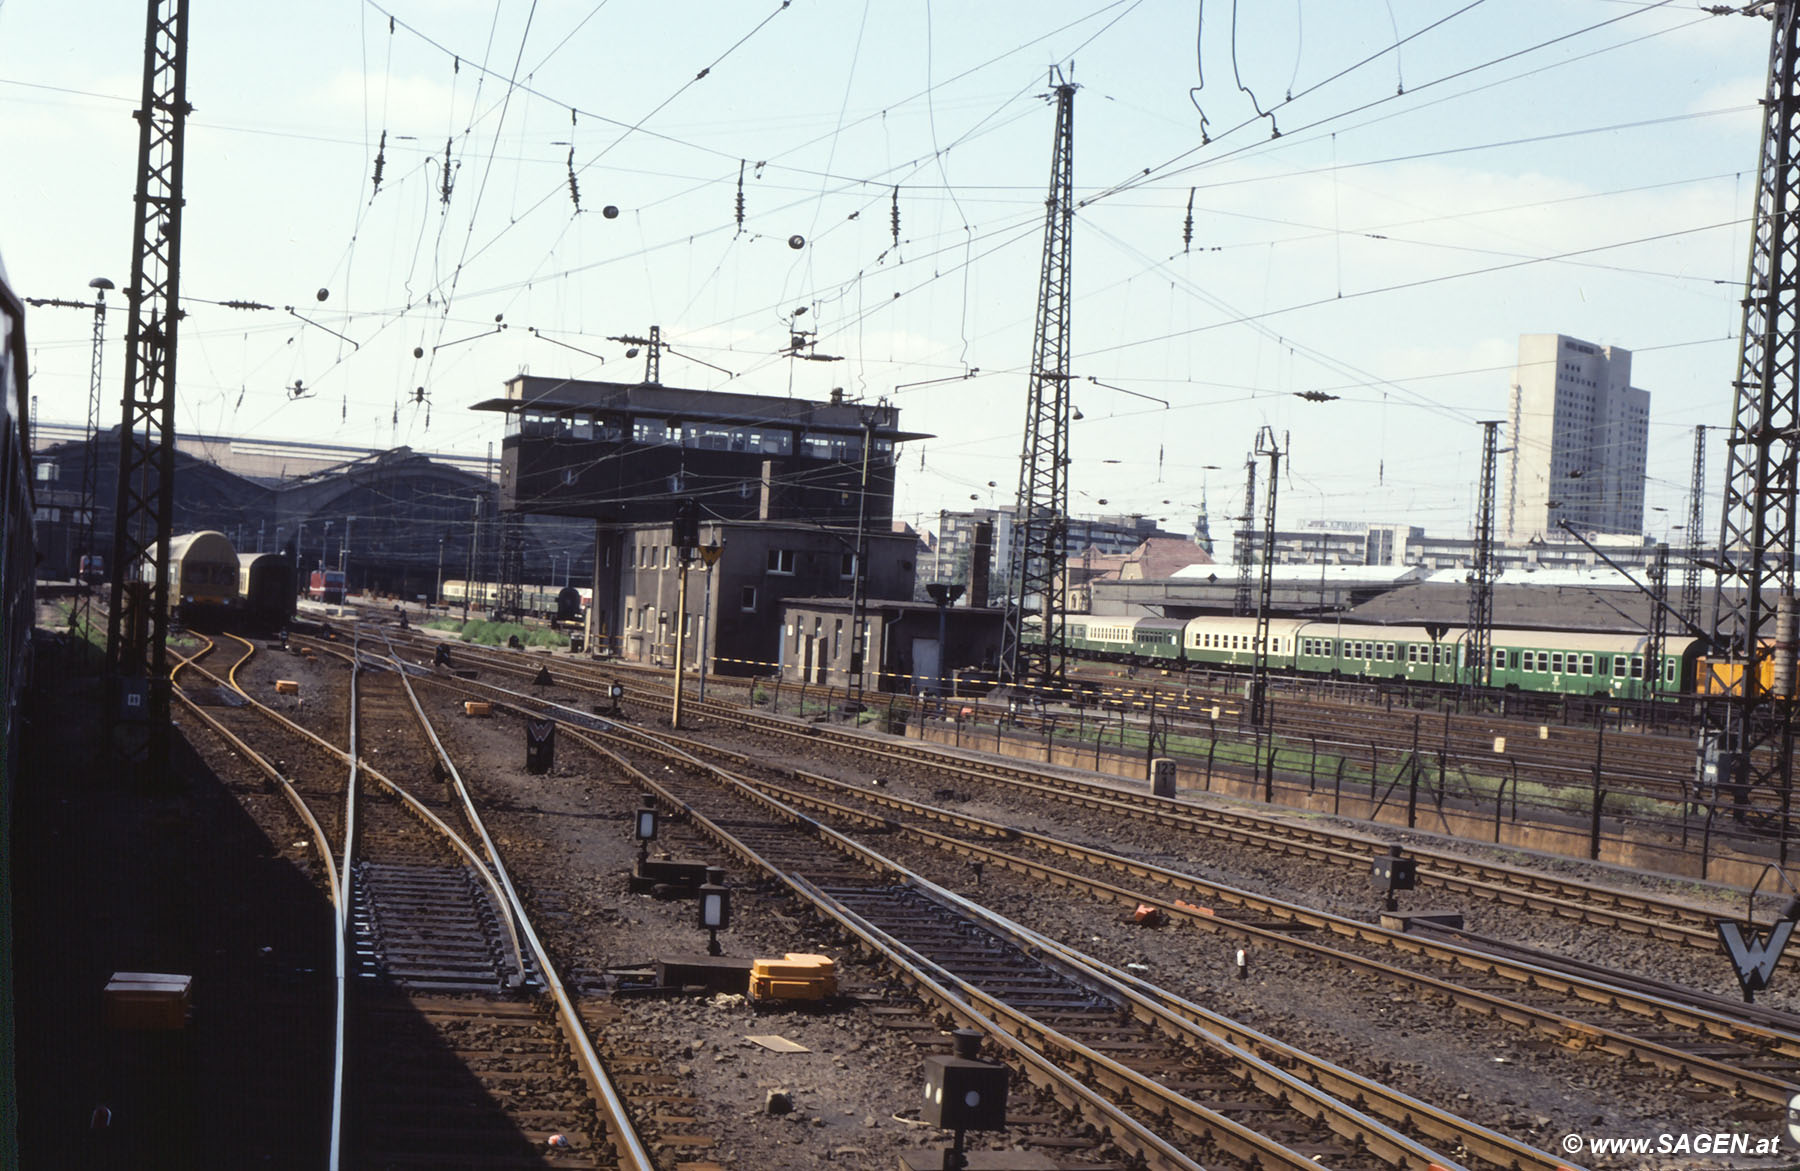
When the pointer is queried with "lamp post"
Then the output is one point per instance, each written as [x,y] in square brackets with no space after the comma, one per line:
[685,535]
[943,593]
[685,559]
[474,537]
[710,555]
[324,544]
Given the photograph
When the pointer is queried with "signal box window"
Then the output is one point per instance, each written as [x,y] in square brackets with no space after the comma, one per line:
[747,600]
[781,561]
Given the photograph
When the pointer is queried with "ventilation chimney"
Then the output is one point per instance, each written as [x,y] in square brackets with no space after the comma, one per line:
[981,553]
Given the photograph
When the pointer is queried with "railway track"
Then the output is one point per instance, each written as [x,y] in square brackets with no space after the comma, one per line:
[1178,1089]
[1636,912]
[456,1044]
[1037,991]
[1754,1053]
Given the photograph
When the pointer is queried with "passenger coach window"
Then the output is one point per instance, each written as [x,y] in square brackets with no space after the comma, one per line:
[1587,664]
[1556,662]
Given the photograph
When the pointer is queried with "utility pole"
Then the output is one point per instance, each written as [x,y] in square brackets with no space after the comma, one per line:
[710,555]
[1657,636]
[685,536]
[1757,527]
[1244,550]
[1265,446]
[1482,570]
[652,346]
[859,590]
[1690,573]
[90,461]
[474,540]
[81,611]
[511,602]
[138,620]
[1040,540]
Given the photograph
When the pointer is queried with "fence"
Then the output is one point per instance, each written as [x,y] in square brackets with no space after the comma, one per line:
[1607,806]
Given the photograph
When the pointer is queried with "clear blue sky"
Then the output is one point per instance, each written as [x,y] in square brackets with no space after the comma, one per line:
[1575,166]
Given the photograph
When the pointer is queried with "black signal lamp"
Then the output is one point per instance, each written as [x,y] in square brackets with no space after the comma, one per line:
[963,1092]
[714,907]
[1391,873]
[646,826]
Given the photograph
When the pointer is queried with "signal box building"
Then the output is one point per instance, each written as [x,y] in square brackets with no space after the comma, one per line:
[903,654]
[781,482]
[734,610]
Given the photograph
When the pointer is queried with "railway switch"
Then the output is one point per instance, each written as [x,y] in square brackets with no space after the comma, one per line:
[1392,873]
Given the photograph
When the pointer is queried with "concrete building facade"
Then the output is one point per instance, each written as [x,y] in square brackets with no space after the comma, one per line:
[734,611]
[1579,435]
[904,653]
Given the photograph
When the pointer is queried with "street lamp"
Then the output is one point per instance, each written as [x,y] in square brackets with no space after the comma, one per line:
[710,555]
[943,593]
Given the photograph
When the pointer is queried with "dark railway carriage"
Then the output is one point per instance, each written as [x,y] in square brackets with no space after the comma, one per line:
[266,588]
[17,566]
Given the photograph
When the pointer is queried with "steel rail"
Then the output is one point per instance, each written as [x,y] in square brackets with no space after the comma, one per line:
[339,904]
[1663,919]
[412,803]
[1506,884]
[620,1130]
[930,978]
[1565,1029]
[1441,1125]
[1303,1097]
[1587,983]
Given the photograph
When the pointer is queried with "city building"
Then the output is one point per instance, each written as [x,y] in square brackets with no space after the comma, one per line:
[1090,538]
[1578,433]
[782,485]
[904,652]
[734,609]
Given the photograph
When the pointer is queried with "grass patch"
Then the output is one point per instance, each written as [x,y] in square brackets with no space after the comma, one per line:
[487,633]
